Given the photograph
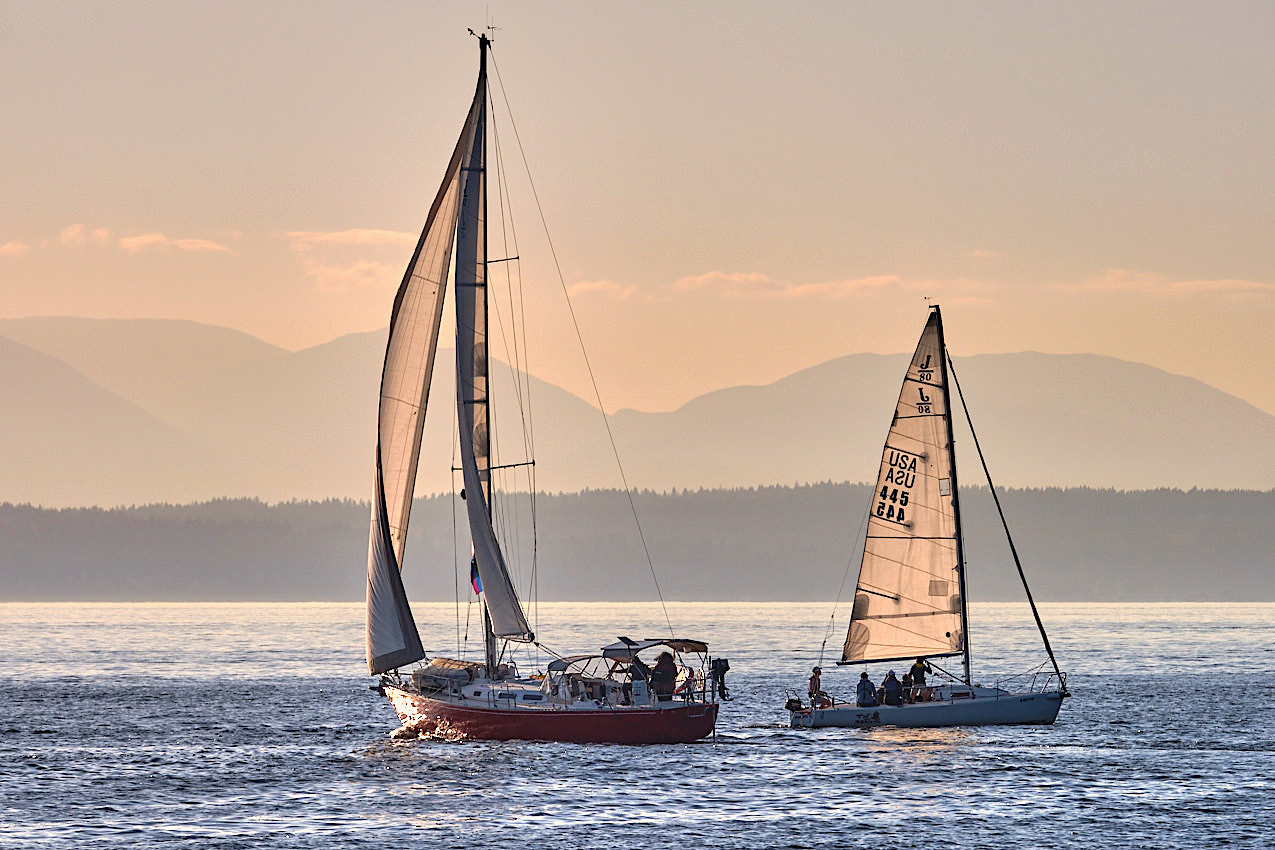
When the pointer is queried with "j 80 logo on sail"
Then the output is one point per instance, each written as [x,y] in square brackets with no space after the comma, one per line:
[924,371]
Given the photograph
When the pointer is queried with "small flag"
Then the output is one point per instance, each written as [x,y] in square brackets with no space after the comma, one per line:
[473,575]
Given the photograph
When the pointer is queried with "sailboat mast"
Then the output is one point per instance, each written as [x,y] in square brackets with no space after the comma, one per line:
[491,651]
[956,498]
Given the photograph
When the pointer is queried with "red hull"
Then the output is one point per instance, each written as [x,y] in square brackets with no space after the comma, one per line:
[677,725]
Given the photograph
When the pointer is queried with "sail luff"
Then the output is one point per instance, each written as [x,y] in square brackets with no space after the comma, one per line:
[956,497]
[907,598]
[473,385]
[392,638]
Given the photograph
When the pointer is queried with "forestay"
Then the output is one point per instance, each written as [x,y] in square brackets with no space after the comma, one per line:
[392,640]
[908,600]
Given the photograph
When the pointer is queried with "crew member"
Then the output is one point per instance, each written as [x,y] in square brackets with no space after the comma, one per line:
[664,676]
[818,699]
[866,695]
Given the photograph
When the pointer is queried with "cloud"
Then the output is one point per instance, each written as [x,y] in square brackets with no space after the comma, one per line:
[610,288]
[306,240]
[846,288]
[1157,285]
[734,283]
[75,235]
[755,285]
[79,235]
[341,260]
[134,244]
[358,275]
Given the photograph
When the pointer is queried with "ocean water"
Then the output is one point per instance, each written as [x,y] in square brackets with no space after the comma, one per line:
[222,726]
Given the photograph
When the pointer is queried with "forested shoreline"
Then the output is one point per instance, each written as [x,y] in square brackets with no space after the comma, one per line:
[765,543]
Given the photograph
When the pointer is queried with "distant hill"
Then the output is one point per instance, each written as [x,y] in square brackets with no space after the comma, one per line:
[66,440]
[768,543]
[148,362]
[113,412]
[1043,419]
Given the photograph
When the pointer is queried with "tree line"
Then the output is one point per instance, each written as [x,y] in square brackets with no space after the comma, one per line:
[748,544]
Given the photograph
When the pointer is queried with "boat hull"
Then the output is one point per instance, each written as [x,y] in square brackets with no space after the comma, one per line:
[677,724]
[1039,708]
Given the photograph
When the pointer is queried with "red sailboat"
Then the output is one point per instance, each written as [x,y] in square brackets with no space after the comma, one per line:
[612,696]
[609,697]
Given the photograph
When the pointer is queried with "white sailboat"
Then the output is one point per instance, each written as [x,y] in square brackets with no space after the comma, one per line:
[910,600]
[610,696]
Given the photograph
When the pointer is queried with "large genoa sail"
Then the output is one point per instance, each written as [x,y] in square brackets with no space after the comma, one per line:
[392,639]
[909,599]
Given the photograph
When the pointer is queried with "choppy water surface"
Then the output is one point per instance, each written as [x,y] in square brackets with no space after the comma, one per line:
[252,725]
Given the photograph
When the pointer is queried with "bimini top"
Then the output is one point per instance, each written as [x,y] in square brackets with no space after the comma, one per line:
[557,665]
[624,649]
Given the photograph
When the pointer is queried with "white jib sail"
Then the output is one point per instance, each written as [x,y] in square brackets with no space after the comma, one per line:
[908,600]
[472,385]
[392,639]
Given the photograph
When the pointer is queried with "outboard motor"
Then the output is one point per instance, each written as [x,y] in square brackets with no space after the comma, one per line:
[717,676]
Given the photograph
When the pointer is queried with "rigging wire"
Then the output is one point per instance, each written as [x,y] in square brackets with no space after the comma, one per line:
[832,619]
[512,358]
[1008,537]
[455,569]
[628,491]
[518,359]
[522,367]
[455,546]
[456,561]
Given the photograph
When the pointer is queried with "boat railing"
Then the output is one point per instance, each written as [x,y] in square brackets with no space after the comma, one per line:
[692,689]
[1037,680]
[1052,678]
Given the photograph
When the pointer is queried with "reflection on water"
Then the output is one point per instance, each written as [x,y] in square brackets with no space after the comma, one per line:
[247,725]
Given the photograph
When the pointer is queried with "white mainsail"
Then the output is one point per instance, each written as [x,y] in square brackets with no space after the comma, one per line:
[908,601]
[472,383]
[392,640]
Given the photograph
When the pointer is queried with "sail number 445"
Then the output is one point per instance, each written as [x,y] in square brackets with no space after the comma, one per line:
[892,504]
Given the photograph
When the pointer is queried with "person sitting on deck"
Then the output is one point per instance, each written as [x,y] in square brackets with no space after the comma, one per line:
[866,695]
[818,697]
[907,687]
[892,691]
[664,676]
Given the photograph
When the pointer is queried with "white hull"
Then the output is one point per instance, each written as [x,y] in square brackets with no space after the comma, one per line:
[994,708]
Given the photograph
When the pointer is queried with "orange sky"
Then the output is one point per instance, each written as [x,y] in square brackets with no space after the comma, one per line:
[735,191]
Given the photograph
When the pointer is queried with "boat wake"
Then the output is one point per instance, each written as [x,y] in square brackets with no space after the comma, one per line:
[429,730]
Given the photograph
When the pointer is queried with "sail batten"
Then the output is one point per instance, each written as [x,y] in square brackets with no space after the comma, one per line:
[908,600]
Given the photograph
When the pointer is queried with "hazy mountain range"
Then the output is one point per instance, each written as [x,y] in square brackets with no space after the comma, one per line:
[112,412]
